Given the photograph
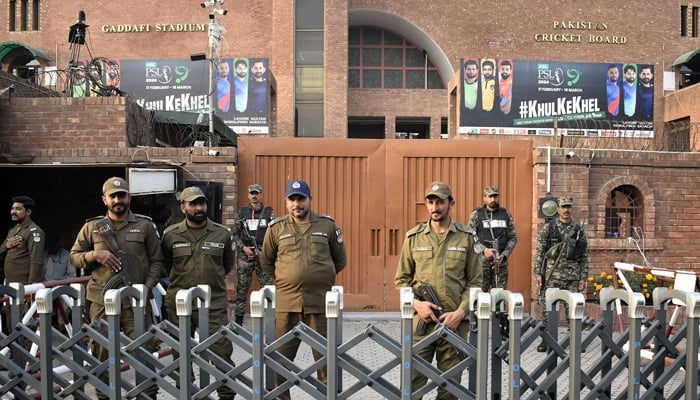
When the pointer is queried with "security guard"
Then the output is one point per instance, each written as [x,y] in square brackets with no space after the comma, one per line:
[493,225]
[561,258]
[440,253]
[198,251]
[24,246]
[303,252]
[248,234]
[23,250]
[137,237]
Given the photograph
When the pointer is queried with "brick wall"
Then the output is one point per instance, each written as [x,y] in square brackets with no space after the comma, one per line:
[88,131]
[336,69]
[669,184]
[458,28]
[398,103]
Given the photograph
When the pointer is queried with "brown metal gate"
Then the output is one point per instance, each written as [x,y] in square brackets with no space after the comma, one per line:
[374,190]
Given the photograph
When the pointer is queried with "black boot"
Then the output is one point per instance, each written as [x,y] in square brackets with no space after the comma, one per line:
[239,320]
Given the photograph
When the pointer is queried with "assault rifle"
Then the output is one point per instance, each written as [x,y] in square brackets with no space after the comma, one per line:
[496,261]
[248,238]
[124,277]
[426,292]
[544,276]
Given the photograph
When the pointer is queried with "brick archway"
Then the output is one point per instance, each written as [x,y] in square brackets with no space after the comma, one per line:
[649,218]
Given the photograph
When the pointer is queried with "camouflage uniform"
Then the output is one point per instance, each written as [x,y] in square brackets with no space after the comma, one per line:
[257,226]
[449,263]
[560,272]
[490,225]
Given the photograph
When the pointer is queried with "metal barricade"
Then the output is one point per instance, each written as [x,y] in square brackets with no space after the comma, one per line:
[65,368]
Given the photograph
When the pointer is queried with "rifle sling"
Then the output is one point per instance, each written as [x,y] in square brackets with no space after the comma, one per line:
[565,240]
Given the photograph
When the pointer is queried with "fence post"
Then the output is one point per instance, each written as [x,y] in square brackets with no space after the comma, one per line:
[183,304]
[552,329]
[576,303]
[139,303]
[692,302]
[496,341]
[113,309]
[77,323]
[44,306]
[259,299]
[514,305]
[635,314]
[483,314]
[406,301]
[334,314]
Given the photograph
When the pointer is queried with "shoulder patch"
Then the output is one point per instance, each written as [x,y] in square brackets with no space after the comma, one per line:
[169,228]
[95,218]
[276,220]
[326,217]
[141,216]
[464,228]
[221,226]
[415,230]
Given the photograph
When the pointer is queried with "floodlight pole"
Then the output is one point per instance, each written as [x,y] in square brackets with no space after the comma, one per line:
[214,37]
[212,97]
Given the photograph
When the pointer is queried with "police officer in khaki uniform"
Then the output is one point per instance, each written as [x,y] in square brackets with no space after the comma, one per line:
[440,252]
[23,248]
[198,251]
[24,261]
[303,252]
[136,236]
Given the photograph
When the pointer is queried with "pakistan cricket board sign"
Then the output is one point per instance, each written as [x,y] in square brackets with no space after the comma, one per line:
[503,96]
[241,89]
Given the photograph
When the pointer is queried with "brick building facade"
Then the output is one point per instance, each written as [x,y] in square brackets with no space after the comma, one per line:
[59,130]
[642,32]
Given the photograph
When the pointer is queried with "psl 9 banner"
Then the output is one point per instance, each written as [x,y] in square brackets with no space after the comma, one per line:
[241,90]
[503,96]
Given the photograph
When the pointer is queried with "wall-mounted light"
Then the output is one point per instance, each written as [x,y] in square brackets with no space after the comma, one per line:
[198,57]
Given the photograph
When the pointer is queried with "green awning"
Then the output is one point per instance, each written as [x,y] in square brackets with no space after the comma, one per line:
[7,47]
[685,57]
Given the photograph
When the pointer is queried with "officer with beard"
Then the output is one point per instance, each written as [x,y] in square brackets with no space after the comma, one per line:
[137,237]
[24,246]
[303,251]
[199,251]
[22,250]
[561,258]
[439,252]
[494,226]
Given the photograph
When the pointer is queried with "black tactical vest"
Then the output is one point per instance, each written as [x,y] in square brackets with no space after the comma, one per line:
[499,225]
[257,221]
